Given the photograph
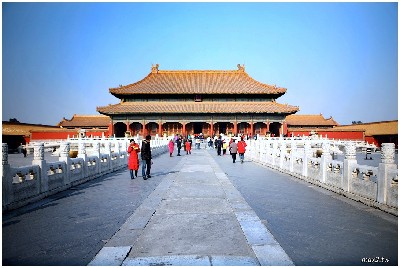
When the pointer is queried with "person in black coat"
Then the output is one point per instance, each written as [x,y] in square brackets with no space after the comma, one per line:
[179,145]
[146,157]
[219,145]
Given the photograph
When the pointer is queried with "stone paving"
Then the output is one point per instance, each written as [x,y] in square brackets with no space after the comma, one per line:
[194,217]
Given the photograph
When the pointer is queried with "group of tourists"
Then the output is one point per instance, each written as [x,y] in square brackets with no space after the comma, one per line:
[186,143]
[234,148]
[221,145]
[133,161]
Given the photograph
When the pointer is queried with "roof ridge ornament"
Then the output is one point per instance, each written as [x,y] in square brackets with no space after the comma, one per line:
[240,67]
[154,68]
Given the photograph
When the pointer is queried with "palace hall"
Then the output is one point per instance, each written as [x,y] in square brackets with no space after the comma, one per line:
[212,102]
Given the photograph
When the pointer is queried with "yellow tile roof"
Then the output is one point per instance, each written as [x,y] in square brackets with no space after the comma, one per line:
[21,129]
[198,82]
[375,128]
[86,121]
[309,120]
[324,129]
[155,107]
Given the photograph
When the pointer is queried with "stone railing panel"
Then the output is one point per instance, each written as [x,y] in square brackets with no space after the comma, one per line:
[25,182]
[334,173]
[392,198]
[298,165]
[314,168]
[93,164]
[56,174]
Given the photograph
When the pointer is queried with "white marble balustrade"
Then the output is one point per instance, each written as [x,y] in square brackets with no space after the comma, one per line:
[96,157]
[311,160]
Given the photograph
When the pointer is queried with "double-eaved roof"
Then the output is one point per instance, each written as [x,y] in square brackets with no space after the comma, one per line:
[158,107]
[197,82]
[165,91]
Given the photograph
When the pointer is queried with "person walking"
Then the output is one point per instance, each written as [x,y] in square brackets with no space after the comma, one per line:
[233,148]
[219,145]
[179,145]
[210,142]
[188,147]
[146,158]
[171,147]
[133,161]
[241,149]
[224,147]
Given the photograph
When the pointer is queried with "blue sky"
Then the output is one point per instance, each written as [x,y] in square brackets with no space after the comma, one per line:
[338,59]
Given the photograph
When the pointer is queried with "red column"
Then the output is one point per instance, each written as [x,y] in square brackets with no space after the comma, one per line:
[144,129]
[267,127]
[235,127]
[183,129]
[284,128]
[251,129]
[128,128]
[111,129]
[160,129]
[212,130]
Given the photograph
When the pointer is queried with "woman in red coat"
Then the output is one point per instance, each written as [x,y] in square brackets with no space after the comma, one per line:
[241,149]
[133,161]
[188,147]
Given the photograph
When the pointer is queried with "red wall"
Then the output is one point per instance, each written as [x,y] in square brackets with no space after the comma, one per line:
[342,135]
[371,139]
[57,135]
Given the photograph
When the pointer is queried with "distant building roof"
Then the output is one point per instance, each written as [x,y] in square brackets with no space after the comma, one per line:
[375,128]
[335,129]
[154,107]
[198,82]
[86,121]
[309,120]
[22,129]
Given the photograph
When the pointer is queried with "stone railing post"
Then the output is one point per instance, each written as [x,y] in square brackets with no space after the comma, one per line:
[96,153]
[349,163]
[283,153]
[307,154]
[384,181]
[38,159]
[274,152]
[267,150]
[65,148]
[259,149]
[108,147]
[96,146]
[117,148]
[292,155]
[126,144]
[5,154]
[325,157]
[109,152]
[118,151]
[8,194]
[262,151]
[82,154]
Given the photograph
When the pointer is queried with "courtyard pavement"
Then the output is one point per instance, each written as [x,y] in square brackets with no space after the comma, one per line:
[194,217]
